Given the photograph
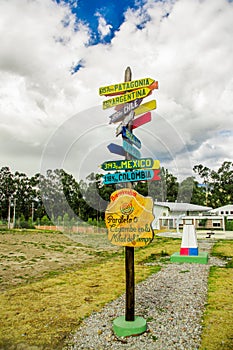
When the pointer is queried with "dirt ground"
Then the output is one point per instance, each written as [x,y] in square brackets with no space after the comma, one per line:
[26,256]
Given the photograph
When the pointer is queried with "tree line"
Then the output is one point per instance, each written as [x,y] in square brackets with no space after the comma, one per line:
[57,195]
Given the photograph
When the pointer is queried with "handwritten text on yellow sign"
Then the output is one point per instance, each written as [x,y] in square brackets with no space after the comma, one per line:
[128,218]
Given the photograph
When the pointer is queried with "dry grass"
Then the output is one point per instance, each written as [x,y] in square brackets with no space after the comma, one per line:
[41,314]
[218,318]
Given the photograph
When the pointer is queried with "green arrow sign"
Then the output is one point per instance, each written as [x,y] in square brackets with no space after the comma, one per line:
[143,163]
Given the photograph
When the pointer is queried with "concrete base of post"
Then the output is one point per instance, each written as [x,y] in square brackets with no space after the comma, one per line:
[123,328]
[201,258]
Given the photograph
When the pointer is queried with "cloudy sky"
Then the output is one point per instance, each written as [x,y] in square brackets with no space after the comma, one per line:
[54,56]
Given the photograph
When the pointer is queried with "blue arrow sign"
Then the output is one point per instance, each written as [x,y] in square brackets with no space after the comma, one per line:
[131,150]
[129,176]
[131,137]
[113,148]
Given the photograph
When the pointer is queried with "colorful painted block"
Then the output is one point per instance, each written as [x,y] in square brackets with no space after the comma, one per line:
[189,241]
[184,251]
[193,251]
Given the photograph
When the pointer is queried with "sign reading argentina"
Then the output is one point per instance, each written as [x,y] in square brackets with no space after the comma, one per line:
[130,96]
[130,176]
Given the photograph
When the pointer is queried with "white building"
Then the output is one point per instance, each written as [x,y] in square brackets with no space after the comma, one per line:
[172,215]
[226,210]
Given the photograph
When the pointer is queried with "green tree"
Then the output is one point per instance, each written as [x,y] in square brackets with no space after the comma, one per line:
[7,189]
[218,184]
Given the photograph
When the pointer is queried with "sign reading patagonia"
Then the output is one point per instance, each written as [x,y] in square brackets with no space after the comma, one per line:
[128,218]
[126,86]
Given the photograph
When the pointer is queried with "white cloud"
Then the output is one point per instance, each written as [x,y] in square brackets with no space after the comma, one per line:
[104,29]
[186,45]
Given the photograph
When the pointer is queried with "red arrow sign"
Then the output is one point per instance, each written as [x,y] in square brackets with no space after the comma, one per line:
[143,119]
[156,176]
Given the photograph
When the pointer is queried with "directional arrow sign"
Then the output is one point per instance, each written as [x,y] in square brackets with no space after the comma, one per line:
[145,118]
[145,107]
[131,150]
[126,86]
[125,122]
[130,176]
[113,148]
[126,164]
[156,176]
[127,108]
[131,96]
[131,137]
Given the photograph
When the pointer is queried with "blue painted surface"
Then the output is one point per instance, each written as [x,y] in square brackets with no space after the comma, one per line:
[131,150]
[131,137]
[193,251]
[113,148]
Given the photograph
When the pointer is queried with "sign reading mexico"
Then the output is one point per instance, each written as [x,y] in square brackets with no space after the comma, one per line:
[128,218]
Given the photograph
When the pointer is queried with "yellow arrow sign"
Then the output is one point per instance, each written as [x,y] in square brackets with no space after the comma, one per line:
[156,164]
[145,107]
[127,86]
[133,95]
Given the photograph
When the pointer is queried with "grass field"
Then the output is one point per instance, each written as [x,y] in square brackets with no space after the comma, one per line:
[51,281]
[218,317]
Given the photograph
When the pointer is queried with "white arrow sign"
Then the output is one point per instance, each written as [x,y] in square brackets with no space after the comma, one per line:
[125,122]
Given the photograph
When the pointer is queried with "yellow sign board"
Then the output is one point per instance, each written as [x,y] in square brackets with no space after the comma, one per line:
[130,96]
[126,86]
[145,107]
[156,164]
[128,218]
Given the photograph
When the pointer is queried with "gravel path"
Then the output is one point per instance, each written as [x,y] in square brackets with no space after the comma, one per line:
[172,301]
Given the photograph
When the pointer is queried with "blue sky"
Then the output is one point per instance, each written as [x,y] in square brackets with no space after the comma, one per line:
[112,12]
[56,54]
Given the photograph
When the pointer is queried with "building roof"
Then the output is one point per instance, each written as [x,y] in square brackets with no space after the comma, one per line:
[223,208]
[173,206]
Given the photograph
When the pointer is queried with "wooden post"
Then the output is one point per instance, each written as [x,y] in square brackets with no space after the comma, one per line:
[129,252]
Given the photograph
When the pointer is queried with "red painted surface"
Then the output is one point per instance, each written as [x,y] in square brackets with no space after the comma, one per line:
[145,118]
[184,251]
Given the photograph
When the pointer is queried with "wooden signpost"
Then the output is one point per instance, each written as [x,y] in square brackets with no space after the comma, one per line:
[129,215]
